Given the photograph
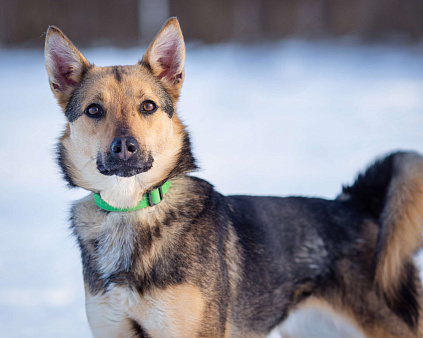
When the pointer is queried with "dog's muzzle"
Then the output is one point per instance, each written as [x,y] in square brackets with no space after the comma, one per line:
[125,158]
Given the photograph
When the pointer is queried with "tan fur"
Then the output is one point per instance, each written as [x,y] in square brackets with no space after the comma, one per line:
[176,311]
[403,216]
[182,307]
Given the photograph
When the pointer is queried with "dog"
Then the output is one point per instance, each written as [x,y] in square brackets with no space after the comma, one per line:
[165,255]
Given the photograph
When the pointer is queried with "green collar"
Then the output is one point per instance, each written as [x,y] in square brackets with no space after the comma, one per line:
[150,199]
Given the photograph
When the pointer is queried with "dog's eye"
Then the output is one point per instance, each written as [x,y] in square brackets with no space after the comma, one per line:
[148,106]
[94,110]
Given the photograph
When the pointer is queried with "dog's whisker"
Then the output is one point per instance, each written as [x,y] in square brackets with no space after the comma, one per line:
[89,161]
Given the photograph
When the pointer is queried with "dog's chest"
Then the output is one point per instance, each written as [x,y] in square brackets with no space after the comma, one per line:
[107,240]
[114,246]
[176,311]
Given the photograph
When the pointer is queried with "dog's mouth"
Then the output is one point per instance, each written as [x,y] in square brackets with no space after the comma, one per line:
[132,167]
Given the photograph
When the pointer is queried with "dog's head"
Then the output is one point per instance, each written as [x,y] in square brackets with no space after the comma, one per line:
[123,136]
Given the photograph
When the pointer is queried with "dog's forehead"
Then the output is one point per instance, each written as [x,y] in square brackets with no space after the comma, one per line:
[126,79]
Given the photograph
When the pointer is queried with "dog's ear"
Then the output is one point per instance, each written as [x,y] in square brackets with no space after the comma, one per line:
[65,64]
[166,55]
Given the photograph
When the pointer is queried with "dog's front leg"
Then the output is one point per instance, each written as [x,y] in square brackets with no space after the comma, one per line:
[107,314]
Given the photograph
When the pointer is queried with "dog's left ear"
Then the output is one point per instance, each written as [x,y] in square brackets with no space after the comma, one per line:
[166,56]
[65,64]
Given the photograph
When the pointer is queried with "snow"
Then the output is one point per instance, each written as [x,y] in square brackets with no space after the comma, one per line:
[291,117]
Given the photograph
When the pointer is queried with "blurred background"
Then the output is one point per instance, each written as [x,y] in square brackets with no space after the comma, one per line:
[129,22]
[282,97]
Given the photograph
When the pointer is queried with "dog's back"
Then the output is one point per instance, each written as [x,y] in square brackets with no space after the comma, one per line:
[337,251]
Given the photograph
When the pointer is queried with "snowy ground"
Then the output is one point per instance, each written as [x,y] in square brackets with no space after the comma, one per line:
[291,117]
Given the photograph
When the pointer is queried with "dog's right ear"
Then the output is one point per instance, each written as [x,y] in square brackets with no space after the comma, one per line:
[166,56]
[65,64]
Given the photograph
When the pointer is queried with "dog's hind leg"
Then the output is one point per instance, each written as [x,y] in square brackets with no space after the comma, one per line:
[316,317]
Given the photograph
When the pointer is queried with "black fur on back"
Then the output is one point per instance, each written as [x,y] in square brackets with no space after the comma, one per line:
[370,188]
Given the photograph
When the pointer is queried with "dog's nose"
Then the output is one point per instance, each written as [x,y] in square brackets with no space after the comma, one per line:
[124,148]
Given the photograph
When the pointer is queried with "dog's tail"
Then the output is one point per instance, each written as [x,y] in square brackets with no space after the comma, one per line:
[392,191]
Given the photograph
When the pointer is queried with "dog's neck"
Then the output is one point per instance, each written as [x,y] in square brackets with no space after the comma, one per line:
[125,193]
[150,199]
[108,240]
